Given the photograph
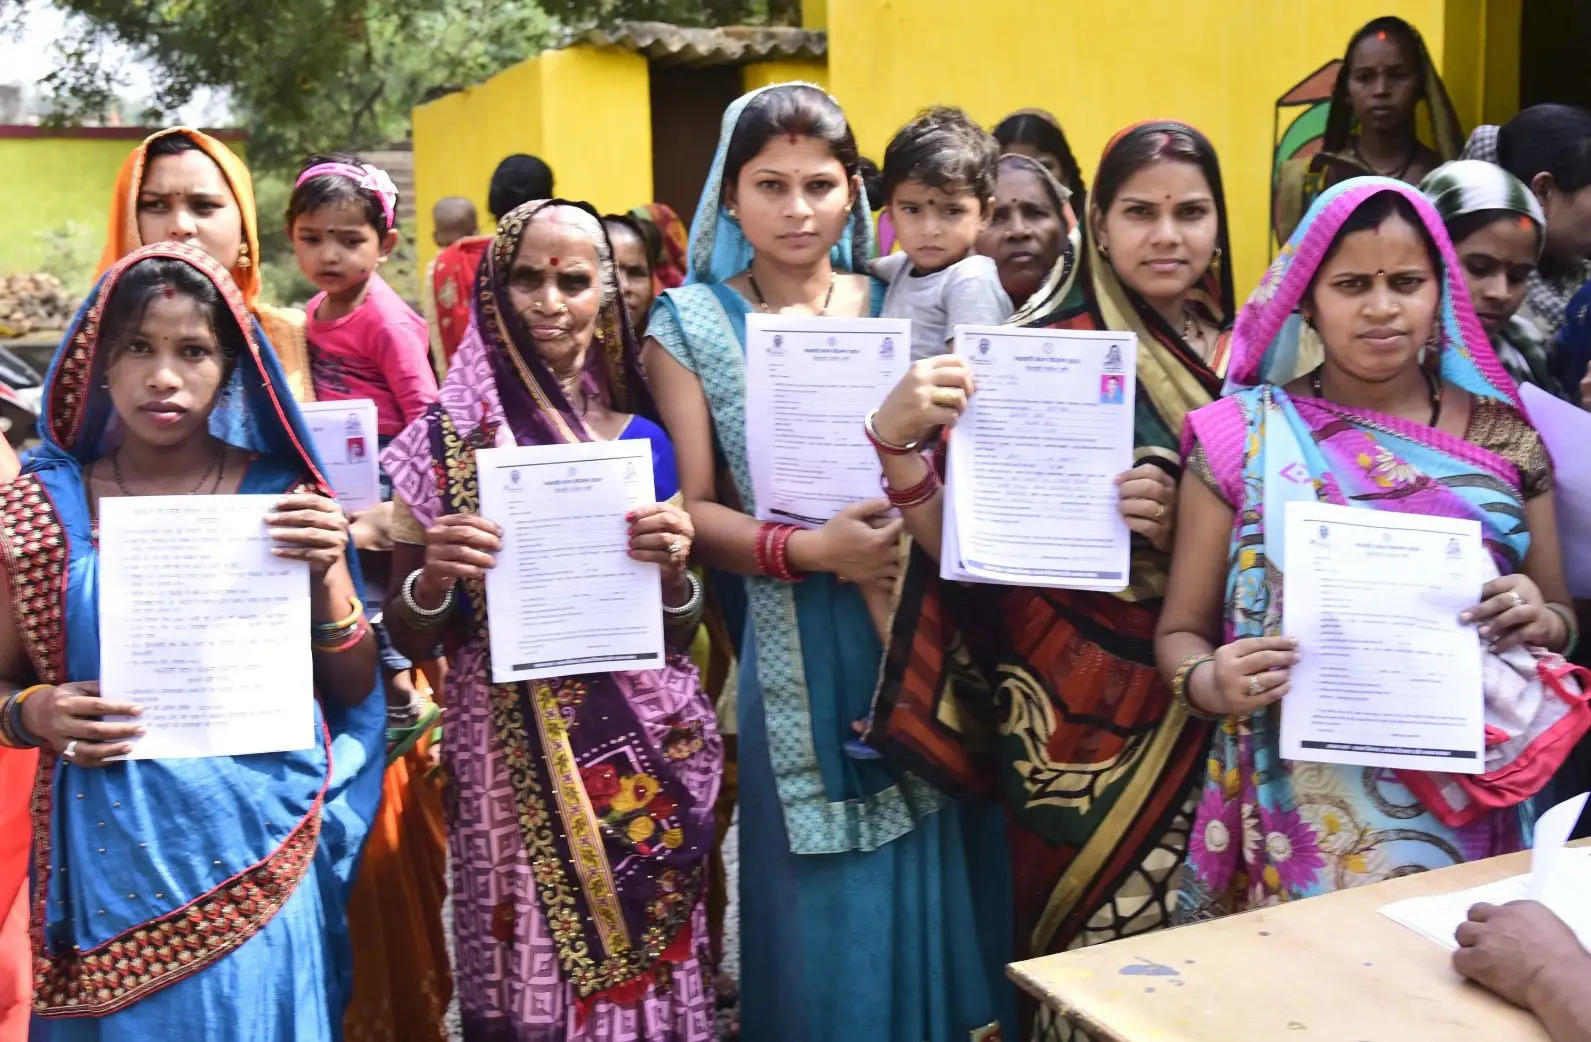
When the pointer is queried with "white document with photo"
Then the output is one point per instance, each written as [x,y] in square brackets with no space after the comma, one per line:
[1387,674]
[345,440]
[203,627]
[809,382]
[565,597]
[1030,495]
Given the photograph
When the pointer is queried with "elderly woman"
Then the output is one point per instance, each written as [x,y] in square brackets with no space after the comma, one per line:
[560,782]
[163,387]
[1409,412]
[182,185]
[1027,229]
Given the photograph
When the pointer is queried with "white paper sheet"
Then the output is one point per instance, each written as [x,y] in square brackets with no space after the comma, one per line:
[1030,495]
[204,628]
[1388,676]
[345,439]
[1566,429]
[1559,877]
[809,382]
[565,597]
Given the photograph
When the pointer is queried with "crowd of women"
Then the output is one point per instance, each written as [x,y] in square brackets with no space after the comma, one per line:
[1040,769]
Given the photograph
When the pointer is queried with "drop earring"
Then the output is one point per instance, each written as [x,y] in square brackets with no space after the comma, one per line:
[244,261]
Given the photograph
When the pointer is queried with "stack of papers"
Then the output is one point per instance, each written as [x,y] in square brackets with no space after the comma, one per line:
[1031,497]
[1559,877]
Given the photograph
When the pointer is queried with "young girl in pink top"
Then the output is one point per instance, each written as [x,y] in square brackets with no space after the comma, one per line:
[364,341]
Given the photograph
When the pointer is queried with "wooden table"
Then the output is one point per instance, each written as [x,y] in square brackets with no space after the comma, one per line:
[1327,968]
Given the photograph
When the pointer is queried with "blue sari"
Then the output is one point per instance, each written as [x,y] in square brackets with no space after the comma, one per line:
[189,899]
[873,909]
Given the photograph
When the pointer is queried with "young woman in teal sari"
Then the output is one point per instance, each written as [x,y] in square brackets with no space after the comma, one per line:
[1376,428]
[871,907]
[183,899]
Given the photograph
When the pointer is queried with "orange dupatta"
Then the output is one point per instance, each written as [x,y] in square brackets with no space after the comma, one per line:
[284,327]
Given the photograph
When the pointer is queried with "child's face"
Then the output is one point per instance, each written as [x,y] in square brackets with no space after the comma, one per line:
[337,248]
[936,228]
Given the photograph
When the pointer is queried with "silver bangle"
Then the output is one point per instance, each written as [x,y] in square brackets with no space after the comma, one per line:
[693,604]
[427,615]
[888,446]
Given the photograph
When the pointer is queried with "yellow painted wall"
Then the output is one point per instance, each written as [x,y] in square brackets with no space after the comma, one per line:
[764,74]
[49,181]
[1100,66]
[584,110]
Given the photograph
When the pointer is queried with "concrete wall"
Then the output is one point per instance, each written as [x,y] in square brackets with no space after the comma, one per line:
[584,110]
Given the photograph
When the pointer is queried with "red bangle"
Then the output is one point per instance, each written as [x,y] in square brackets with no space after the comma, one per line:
[772,551]
[914,495]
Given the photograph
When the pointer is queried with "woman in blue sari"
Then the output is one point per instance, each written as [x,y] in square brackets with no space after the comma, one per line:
[180,899]
[871,907]
[1409,412]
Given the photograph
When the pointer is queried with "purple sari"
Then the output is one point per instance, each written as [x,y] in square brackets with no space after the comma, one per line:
[583,805]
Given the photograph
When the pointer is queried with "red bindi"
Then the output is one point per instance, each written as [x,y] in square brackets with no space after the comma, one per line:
[795,138]
[554,261]
[1526,222]
[167,291]
[1382,36]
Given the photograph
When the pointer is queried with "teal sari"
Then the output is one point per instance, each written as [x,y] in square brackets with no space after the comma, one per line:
[872,908]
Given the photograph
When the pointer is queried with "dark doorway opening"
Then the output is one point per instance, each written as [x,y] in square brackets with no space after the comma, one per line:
[1554,39]
[687,107]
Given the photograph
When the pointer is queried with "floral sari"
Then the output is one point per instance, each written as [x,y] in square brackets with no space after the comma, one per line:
[583,805]
[872,908]
[283,327]
[149,876]
[1268,829]
[1051,697]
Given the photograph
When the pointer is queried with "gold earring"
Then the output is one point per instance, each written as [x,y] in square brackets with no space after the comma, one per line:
[243,257]
[1215,258]
[1104,249]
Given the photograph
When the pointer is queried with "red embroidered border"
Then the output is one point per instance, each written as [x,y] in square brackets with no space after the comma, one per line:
[34,546]
[163,951]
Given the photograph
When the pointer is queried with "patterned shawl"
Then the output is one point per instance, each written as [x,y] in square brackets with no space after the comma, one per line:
[283,327]
[617,840]
[1265,447]
[668,268]
[1053,697]
[453,288]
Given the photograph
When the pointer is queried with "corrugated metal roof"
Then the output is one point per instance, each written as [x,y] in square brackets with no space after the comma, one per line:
[732,45]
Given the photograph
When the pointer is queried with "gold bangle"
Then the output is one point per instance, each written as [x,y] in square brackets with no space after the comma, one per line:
[1181,679]
[357,609]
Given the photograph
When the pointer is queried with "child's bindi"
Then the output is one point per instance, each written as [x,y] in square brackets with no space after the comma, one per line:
[168,291]
[553,261]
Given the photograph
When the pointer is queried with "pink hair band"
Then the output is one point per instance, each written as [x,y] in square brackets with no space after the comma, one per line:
[370,178]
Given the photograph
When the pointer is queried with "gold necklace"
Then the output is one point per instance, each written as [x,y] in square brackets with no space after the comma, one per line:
[762,302]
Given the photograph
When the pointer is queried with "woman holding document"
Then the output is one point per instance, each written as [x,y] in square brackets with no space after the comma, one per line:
[584,804]
[846,865]
[1409,412]
[1097,764]
[196,898]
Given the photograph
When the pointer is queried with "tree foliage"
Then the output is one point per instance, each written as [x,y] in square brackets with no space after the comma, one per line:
[304,75]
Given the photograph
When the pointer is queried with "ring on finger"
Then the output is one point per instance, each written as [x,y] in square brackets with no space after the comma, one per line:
[674,547]
[69,754]
[1160,512]
[945,397]
[1516,600]
[1255,687]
